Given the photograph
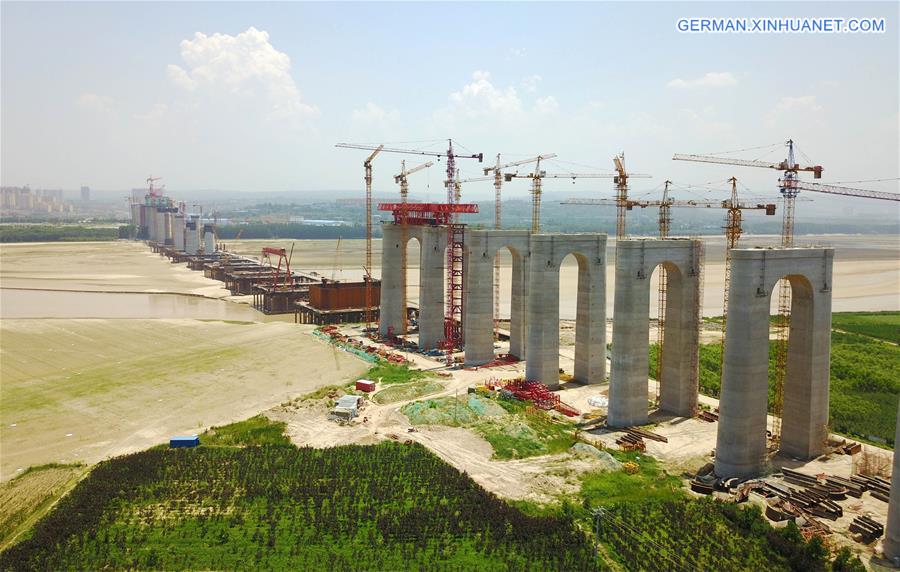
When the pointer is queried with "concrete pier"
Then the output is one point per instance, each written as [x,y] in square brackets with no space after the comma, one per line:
[432,259]
[741,438]
[481,248]
[892,532]
[209,239]
[178,232]
[191,237]
[635,261]
[542,350]
[161,226]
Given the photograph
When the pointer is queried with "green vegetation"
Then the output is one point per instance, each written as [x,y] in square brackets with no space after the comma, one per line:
[384,507]
[387,372]
[406,391]
[56,233]
[865,375]
[513,432]
[259,430]
[650,483]
[882,325]
[707,535]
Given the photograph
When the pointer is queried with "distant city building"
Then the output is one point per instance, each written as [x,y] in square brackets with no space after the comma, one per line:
[85,194]
[316,222]
[22,200]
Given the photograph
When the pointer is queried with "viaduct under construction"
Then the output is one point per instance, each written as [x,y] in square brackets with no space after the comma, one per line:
[458,302]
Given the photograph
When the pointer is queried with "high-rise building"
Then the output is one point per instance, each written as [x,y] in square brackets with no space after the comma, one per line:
[85,194]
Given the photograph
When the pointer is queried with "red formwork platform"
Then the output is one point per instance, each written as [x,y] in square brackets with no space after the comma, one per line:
[427,213]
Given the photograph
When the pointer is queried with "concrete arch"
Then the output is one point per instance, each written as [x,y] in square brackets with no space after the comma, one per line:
[478,323]
[542,351]
[635,261]
[432,243]
[741,438]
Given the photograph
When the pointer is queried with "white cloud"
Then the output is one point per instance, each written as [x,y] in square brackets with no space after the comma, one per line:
[373,114]
[481,97]
[546,105]
[796,113]
[96,103]
[711,79]
[531,82]
[180,77]
[241,64]
[518,52]
[803,103]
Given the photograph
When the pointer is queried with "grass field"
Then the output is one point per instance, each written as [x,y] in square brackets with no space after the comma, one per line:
[512,431]
[882,325]
[29,495]
[384,507]
[865,375]
[405,391]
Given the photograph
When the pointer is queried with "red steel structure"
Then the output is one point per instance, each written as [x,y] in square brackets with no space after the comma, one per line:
[281,279]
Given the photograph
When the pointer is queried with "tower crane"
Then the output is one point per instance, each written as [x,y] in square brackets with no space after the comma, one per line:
[498,222]
[536,177]
[621,182]
[367,166]
[845,191]
[455,240]
[402,180]
[733,231]
[788,190]
[153,192]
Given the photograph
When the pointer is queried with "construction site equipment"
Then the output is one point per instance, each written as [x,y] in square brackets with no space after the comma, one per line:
[789,187]
[370,299]
[644,434]
[498,222]
[451,157]
[788,190]
[537,176]
[868,528]
[538,394]
[281,278]
[733,231]
[621,182]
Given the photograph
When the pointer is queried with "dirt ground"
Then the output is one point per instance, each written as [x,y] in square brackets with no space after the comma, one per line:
[82,390]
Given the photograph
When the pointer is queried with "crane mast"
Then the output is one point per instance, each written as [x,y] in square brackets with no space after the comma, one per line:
[370,298]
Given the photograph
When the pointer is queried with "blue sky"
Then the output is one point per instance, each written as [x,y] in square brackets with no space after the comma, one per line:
[103,94]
